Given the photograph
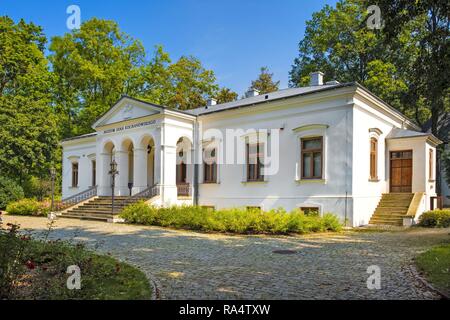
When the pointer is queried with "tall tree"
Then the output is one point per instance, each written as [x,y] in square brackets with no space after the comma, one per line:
[431,64]
[94,66]
[28,135]
[226,95]
[265,83]
[338,42]
[190,84]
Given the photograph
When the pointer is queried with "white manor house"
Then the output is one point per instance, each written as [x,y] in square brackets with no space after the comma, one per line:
[328,147]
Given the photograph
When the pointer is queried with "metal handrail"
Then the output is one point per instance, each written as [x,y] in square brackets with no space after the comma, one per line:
[80,197]
[148,193]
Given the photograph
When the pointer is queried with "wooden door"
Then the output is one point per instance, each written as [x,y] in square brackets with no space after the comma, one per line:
[401,171]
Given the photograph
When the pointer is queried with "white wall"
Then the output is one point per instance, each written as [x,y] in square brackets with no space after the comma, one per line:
[82,151]
[282,189]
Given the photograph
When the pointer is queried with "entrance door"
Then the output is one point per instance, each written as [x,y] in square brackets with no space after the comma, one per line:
[401,171]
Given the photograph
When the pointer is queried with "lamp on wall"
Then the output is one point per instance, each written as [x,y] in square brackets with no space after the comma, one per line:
[113,172]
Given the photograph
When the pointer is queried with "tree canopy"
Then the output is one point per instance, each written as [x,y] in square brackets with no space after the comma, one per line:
[28,130]
[226,95]
[265,83]
[397,63]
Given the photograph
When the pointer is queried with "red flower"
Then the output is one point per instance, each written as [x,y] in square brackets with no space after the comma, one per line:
[30,265]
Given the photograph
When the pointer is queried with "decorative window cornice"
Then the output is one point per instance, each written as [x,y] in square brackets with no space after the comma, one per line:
[376,131]
[311,127]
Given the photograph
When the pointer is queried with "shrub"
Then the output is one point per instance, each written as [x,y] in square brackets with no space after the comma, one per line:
[9,191]
[234,220]
[38,188]
[435,219]
[28,207]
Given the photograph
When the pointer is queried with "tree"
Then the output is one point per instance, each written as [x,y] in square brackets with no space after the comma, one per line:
[338,42]
[264,83]
[190,84]
[226,95]
[28,134]
[431,31]
[94,66]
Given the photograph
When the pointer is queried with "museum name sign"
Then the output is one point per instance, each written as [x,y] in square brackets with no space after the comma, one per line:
[131,126]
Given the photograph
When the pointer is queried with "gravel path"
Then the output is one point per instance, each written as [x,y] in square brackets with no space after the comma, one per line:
[189,265]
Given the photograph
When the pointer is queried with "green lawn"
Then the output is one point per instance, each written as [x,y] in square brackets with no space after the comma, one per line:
[435,263]
[40,272]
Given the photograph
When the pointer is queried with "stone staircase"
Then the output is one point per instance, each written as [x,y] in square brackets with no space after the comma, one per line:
[392,208]
[99,208]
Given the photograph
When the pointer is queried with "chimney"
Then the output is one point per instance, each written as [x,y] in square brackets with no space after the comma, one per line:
[316,78]
[251,93]
[211,102]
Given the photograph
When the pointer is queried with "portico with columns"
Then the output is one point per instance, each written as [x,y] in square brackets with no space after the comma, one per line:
[148,143]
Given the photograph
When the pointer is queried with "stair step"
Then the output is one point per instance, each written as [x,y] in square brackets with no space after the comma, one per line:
[100,213]
[86,217]
[388,215]
[402,212]
[391,209]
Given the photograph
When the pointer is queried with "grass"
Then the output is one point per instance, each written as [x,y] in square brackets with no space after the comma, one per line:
[435,263]
[40,272]
[236,220]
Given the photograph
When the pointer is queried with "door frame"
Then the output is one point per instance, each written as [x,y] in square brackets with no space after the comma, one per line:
[390,166]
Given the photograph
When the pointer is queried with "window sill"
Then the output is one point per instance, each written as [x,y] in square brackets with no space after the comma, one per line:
[72,187]
[254,182]
[210,182]
[374,180]
[431,180]
[306,181]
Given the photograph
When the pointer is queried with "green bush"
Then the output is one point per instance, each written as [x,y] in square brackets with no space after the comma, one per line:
[28,207]
[435,219]
[234,220]
[9,191]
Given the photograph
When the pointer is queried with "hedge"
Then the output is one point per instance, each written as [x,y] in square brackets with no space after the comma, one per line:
[435,219]
[235,220]
[28,207]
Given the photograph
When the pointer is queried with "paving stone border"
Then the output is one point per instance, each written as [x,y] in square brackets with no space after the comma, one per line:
[415,272]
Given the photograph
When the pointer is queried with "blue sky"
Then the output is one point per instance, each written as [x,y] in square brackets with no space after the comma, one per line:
[233,38]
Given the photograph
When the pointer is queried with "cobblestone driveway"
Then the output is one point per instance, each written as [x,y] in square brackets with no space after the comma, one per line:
[191,265]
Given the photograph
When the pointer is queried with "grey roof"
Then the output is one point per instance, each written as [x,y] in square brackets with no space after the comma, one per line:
[403,133]
[88,135]
[397,133]
[281,94]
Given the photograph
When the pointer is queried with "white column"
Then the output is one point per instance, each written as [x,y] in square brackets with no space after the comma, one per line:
[122,178]
[140,170]
[157,165]
[103,178]
[168,175]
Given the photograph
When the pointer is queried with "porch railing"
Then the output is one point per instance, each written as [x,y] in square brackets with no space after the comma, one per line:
[79,197]
[148,193]
[184,190]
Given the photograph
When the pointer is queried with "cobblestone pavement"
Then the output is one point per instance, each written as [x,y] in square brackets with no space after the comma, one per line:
[190,265]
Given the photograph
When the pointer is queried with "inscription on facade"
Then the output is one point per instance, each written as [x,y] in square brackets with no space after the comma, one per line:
[131,126]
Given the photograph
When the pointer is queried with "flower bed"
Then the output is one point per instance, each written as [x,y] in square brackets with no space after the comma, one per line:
[38,270]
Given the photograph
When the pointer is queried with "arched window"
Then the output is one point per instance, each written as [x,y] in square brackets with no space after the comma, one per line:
[373,159]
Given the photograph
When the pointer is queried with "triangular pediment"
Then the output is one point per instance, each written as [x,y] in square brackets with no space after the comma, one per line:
[127,109]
